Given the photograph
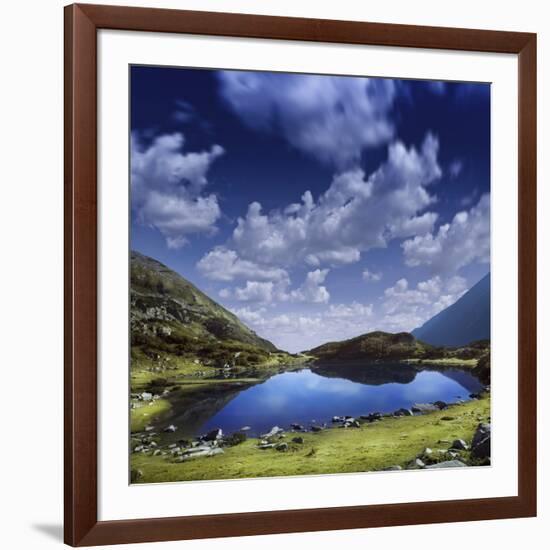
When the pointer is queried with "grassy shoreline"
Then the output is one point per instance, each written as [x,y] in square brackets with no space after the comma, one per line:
[372,447]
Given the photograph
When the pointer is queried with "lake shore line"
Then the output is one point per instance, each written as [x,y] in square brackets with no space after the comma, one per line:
[393,442]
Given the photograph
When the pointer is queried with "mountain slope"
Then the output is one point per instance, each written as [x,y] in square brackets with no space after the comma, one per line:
[374,346]
[168,314]
[468,319]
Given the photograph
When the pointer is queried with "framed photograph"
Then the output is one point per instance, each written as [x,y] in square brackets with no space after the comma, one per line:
[300,274]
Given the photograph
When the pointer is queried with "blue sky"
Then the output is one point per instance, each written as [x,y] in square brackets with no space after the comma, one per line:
[314,207]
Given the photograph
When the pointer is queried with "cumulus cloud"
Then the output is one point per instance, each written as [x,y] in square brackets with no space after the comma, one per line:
[311,290]
[465,240]
[405,308]
[455,168]
[331,118]
[355,214]
[223,264]
[371,276]
[301,331]
[168,188]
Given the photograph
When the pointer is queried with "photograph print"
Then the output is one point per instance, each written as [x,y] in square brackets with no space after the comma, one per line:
[309,274]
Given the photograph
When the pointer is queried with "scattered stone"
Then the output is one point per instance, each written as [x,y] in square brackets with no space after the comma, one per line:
[459,445]
[447,418]
[317,428]
[297,427]
[203,452]
[481,443]
[135,475]
[447,464]
[393,468]
[149,428]
[273,432]
[213,435]
[337,419]
[440,405]
[372,417]
[266,446]
[403,412]
[416,464]
[351,423]
[146,396]
[170,428]
[299,440]
[423,408]
[282,447]
[138,449]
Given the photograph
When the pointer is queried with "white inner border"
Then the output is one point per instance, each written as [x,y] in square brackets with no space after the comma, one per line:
[118,500]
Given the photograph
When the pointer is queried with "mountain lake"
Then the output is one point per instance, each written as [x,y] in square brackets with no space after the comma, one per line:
[312,396]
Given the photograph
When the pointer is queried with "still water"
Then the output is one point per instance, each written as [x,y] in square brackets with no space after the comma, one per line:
[314,396]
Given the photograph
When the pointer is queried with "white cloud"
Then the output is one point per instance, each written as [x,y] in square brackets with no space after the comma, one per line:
[370,276]
[255,291]
[332,118]
[405,308]
[167,188]
[223,264]
[354,215]
[465,240]
[295,331]
[312,289]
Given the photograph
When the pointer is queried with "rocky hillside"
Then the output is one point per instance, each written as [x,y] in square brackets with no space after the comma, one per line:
[374,346]
[468,319]
[169,315]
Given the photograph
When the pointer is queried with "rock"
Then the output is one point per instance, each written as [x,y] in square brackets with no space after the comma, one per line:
[459,445]
[481,443]
[297,427]
[446,464]
[416,464]
[317,428]
[402,412]
[352,423]
[135,475]
[440,405]
[423,408]
[372,417]
[138,449]
[273,432]
[282,447]
[170,428]
[235,439]
[447,418]
[149,428]
[337,419]
[393,468]
[146,396]
[266,446]
[213,435]
[299,440]
[199,452]
[156,452]
[427,452]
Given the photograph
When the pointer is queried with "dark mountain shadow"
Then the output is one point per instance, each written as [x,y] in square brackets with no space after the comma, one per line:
[374,374]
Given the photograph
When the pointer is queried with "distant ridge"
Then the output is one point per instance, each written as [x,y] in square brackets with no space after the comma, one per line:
[468,319]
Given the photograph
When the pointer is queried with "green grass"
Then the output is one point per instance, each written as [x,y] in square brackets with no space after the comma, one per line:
[142,416]
[371,447]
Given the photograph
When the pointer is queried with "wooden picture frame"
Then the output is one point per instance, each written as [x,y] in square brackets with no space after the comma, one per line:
[82,22]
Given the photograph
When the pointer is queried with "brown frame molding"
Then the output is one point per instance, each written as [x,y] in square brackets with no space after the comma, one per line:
[80,269]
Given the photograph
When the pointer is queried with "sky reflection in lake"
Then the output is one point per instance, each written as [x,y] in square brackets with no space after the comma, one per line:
[306,397]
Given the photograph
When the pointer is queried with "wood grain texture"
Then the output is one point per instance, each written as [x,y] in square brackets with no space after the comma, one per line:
[81,24]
